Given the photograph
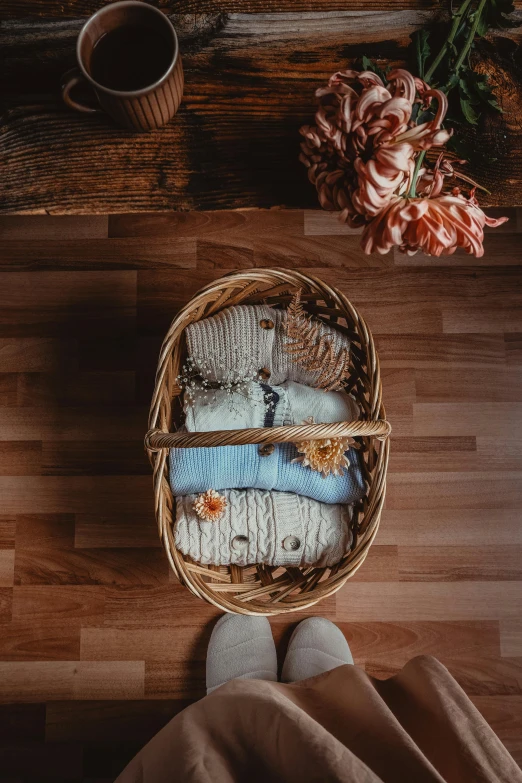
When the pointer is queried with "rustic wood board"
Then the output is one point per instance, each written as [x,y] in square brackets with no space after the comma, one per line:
[70,8]
[250,81]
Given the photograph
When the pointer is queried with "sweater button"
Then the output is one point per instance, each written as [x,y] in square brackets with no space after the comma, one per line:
[266,323]
[263,373]
[291,543]
[267,450]
[239,543]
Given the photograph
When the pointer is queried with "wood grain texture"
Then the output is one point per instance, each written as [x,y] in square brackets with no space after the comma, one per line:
[53,227]
[451,527]
[20,459]
[51,304]
[395,643]
[455,564]
[101,645]
[449,385]
[71,680]
[251,72]
[91,567]
[511,638]
[7,531]
[47,8]
[50,639]
[97,254]
[114,530]
[435,601]
[68,603]
[501,419]
[6,567]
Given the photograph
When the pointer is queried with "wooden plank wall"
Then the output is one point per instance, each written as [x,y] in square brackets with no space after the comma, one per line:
[99,646]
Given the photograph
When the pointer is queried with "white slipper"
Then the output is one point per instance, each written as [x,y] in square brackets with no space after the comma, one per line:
[241,647]
[316,646]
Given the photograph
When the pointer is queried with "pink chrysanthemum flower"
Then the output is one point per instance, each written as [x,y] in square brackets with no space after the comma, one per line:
[436,226]
[361,152]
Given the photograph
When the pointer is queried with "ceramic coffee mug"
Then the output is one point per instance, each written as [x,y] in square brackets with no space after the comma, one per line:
[149,45]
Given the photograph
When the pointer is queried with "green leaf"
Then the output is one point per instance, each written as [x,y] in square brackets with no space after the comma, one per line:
[425,116]
[476,87]
[421,49]
[452,81]
[468,93]
[468,111]
[369,65]
[482,26]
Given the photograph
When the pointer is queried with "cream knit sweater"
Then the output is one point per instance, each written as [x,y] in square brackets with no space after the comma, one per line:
[233,343]
[258,526]
[289,403]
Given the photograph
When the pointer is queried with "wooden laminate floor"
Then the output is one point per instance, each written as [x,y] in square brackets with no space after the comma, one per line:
[99,646]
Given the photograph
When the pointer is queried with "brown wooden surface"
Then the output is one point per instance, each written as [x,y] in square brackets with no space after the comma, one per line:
[251,70]
[71,8]
[99,646]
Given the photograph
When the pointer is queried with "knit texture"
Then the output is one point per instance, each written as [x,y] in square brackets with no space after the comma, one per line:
[239,467]
[262,405]
[316,646]
[240,648]
[264,520]
[233,343]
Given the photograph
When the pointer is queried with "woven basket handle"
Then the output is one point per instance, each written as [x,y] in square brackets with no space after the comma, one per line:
[156,439]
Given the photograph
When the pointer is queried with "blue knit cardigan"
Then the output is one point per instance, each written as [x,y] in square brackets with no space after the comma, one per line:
[239,467]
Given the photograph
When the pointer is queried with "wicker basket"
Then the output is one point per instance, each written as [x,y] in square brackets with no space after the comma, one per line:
[264,589]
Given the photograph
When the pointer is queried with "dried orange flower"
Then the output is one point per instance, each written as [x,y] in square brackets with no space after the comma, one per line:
[326,455]
[210,505]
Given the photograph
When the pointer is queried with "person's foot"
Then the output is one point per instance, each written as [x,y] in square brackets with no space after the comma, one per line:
[316,646]
[241,647]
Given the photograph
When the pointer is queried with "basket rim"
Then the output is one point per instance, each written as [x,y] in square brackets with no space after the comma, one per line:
[159,439]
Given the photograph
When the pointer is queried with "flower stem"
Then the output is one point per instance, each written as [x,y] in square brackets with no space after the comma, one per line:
[449,40]
[471,36]
[412,192]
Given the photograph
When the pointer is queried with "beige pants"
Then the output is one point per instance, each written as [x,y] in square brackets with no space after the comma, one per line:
[343,725]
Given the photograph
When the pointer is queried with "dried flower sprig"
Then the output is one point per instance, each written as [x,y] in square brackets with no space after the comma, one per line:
[326,455]
[314,349]
[196,378]
[210,506]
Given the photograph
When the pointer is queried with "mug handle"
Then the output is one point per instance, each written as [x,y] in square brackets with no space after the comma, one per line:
[70,80]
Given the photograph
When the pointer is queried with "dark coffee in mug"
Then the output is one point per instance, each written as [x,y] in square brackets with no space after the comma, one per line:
[130,57]
[128,52]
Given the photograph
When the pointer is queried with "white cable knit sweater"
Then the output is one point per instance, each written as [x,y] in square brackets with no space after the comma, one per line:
[234,342]
[258,526]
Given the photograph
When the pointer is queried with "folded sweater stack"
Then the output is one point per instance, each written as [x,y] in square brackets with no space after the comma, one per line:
[278,511]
